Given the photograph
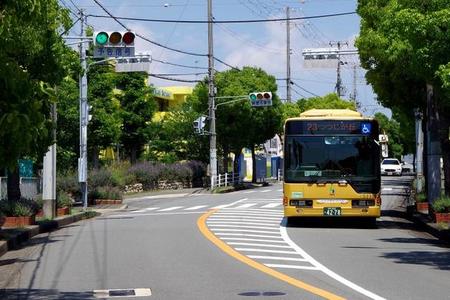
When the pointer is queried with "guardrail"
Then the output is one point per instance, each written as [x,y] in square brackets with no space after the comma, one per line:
[228,179]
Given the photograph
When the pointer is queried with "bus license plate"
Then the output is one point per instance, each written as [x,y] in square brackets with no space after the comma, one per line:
[331,211]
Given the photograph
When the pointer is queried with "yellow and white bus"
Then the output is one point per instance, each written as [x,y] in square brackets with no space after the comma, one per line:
[331,165]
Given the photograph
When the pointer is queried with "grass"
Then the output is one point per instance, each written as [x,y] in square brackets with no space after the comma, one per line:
[443,226]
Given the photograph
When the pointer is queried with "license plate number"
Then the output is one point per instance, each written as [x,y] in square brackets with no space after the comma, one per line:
[332,211]
[390,173]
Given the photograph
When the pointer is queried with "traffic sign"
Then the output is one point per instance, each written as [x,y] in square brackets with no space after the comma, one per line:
[138,63]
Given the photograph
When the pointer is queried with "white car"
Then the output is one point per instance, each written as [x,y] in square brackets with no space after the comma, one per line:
[391,166]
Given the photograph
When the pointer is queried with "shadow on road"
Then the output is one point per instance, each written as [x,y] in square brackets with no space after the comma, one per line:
[438,260]
[42,294]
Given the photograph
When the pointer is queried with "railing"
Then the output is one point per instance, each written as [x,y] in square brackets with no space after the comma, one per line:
[30,187]
[227,179]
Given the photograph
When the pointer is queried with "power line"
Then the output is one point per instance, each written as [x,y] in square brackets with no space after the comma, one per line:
[141,36]
[180,74]
[228,65]
[178,65]
[173,79]
[224,21]
[303,89]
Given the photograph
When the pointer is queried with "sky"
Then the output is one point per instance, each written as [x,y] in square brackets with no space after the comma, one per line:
[246,44]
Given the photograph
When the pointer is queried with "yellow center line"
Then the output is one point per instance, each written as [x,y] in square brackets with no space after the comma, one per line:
[201,223]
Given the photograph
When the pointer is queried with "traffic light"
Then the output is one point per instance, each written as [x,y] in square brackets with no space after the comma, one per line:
[199,124]
[260,98]
[114,39]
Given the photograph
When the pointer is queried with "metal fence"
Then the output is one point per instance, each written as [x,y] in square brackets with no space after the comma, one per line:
[228,179]
[30,187]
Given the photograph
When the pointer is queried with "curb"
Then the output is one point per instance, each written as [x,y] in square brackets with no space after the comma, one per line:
[424,222]
[21,235]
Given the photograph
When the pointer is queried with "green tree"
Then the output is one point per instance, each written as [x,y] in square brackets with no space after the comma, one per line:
[32,55]
[138,107]
[330,101]
[405,45]
[104,128]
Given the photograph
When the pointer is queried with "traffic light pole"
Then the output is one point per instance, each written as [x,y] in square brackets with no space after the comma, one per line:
[288,56]
[211,92]
[82,161]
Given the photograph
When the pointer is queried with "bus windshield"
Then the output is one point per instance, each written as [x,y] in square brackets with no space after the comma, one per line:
[314,158]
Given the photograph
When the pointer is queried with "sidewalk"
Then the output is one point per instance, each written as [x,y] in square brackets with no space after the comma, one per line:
[425,222]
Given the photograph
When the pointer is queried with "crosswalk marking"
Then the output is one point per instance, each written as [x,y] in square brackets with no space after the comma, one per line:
[225,222]
[266,250]
[258,245]
[196,207]
[252,240]
[280,190]
[242,230]
[145,210]
[266,191]
[291,267]
[271,205]
[239,226]
[275,237]
[247,205]
[276,258]
[248,192]
[171,208]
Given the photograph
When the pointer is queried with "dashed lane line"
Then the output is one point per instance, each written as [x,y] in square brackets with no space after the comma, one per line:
[196,207]
[171,208]
[271,205]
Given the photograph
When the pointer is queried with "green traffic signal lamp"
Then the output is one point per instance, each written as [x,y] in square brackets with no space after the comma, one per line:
[101,38]
[252,96]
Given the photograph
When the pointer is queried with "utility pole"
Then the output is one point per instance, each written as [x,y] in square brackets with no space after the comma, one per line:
[82,160]
[338,80]
[419,150]
[288,56]
[433,179]
[353,97]
[211,94]
[49,173]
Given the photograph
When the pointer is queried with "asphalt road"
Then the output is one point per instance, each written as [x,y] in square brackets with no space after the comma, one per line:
[232,246]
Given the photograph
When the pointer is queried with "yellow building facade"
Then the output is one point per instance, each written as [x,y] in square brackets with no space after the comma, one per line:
[169,97]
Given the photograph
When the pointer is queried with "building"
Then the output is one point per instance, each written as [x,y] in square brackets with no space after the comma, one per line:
[168,98]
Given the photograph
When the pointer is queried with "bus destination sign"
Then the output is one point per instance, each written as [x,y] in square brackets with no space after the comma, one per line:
[331,127]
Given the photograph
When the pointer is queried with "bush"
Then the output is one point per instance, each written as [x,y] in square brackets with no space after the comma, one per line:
[146,173]
[22,208]
[176,172]
[101,177]
[63,200]
[442,205]
[68,183]
[421,197]
[109,192]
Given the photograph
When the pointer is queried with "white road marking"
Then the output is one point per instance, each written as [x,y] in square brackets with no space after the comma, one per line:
[225,222]
[291,267]
[266,191]
[280,190]
[271,205]
[258,245]
[231,204]
[155,214]
[196,207]
[163,196]
[249,192]
[252,240]
[248,219]
[265,250]
[276,258]
[249,227]
[247,205]
[242,230]
[387,189]
[324,269]
[171,208]
[249,235]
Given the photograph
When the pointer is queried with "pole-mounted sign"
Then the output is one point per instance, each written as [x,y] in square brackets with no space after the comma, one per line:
[260,99]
